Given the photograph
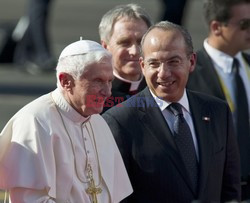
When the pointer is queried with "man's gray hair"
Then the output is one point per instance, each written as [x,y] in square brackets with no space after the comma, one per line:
[75,65]
[168,26]
[132,11]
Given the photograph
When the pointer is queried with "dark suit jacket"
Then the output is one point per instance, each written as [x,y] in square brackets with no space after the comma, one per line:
[120,92]
[153,162]
[205,79]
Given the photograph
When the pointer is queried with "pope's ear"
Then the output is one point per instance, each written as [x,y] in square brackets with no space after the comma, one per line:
[104,44]
[66,81]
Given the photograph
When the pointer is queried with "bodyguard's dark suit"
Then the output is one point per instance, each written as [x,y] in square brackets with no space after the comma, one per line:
[154,165]
[205,79]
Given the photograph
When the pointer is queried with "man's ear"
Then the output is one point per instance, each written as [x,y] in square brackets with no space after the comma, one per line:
[192,60]
[215,27]
[66,81]
[142,64]
[104,44]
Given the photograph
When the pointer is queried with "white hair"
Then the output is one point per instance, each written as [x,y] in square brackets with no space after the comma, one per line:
[76,64]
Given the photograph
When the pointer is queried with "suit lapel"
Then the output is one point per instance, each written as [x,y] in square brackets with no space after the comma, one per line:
[155,125]
[246,57]
[211,77]
[201,119]
[152,116]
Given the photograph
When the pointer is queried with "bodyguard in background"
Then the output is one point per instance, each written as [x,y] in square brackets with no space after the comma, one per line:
[223,69]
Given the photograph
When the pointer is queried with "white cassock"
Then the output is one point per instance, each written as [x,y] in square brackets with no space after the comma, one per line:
[44,150]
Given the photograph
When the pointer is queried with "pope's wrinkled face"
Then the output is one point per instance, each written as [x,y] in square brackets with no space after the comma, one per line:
[87,95]
[124,45]
[166,64]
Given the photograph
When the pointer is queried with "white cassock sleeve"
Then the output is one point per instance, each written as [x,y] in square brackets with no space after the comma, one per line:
[25,195]
[112,166]
[27,163]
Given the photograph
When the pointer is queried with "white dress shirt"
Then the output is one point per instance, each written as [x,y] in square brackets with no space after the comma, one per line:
[170,118]
[223,66]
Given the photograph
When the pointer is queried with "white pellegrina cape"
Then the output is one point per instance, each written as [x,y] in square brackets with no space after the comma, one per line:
[39,157]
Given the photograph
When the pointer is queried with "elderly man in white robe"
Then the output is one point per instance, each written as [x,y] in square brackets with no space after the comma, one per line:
[58,148]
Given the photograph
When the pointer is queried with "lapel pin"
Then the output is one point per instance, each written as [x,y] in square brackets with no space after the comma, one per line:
[205,118]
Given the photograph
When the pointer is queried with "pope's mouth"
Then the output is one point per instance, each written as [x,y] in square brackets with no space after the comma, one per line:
[95,100]
[100,100]
[97,104]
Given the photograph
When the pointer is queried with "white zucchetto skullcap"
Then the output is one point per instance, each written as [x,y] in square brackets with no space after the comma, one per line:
[81,47]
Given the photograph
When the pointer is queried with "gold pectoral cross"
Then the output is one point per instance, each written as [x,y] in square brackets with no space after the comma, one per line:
[92,190]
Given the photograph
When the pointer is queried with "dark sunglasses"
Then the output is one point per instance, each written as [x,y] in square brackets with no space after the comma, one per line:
[243,24]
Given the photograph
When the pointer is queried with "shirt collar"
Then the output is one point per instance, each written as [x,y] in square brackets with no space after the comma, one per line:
[66,109]
[221,59]
[133,84]
[164,104]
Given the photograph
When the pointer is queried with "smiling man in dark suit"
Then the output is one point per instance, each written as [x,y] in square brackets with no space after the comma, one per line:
[178,146]
[216,74]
